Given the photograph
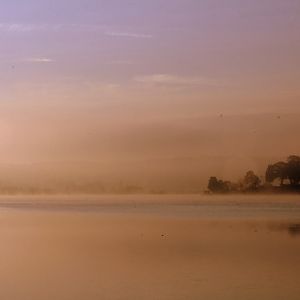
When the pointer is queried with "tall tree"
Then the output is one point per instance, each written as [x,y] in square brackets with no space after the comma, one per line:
[251,181]
[278,170]
[294,169]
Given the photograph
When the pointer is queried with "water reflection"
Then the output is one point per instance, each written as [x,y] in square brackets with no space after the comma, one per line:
[294,229]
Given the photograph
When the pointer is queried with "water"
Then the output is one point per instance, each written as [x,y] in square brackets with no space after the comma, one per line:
[150,247]
[205,207]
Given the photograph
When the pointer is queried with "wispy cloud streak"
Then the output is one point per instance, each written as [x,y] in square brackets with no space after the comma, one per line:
[128,35]
[120,62]
[15,27]
[26,27]
[38,60]
[174,80]
[104,29]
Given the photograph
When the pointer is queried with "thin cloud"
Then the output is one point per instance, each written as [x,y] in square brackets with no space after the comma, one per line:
[128,35]
[14,27]
[25,27]
[120,62]
[39,60]
[104,29]
[174,80]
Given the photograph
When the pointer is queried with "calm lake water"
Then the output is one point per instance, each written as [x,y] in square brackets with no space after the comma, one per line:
[150,247]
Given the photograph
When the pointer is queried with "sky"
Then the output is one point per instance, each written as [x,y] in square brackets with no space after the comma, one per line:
[128,82]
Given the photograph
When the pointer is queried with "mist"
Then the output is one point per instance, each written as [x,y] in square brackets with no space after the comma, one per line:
[86,152]
[129,96]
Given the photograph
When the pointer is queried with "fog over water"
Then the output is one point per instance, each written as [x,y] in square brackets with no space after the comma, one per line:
[75,153]
[123,96]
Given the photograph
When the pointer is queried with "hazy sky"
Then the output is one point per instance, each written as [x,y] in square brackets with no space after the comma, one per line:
[204,56]
[80,80]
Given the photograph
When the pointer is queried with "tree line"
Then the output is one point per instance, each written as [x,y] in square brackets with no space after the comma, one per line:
[287,174]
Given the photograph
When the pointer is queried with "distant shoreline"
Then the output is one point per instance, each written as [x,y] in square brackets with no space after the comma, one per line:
[273,191]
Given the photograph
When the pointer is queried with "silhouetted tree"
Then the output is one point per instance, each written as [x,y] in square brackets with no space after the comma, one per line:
[251,181]
[281,170]
[294,169]
[277,171]
[217,186]
[213,184]
[285,170]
